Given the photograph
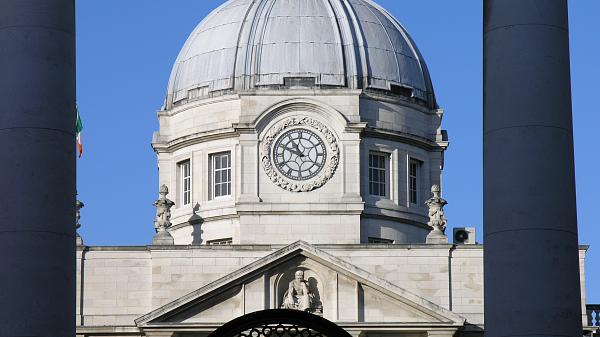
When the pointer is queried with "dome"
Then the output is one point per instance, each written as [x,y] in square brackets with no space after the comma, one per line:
[253,44]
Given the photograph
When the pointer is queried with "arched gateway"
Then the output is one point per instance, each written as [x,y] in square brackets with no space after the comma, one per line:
[280,323]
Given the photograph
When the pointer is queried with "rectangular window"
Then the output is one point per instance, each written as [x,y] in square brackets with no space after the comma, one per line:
[378,173]
[185,182]
[220,242]
[221,174]
[380,240]
[414,168]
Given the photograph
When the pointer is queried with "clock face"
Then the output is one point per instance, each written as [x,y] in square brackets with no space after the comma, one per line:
[299,154]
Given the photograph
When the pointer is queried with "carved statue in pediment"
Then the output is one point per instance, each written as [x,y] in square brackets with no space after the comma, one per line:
[298,296]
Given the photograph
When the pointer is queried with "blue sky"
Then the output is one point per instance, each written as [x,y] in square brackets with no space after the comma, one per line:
[126,50]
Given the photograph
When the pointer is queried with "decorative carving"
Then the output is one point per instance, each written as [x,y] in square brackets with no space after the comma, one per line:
[294,186]
[163,210]
[298,296]
[279,330]
[163,216]
[78,206]
[437,219]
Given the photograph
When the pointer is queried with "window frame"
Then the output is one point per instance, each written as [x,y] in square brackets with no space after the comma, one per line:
[220,242]
[182,193]
[418,177]
[213,175]
[374,240]
[385,172]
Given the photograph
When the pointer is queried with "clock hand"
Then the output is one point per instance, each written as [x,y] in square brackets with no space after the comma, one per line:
[299,154]
[295,150]
[298,149]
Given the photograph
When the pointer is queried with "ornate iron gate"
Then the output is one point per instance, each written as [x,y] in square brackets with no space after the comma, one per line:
[280,323]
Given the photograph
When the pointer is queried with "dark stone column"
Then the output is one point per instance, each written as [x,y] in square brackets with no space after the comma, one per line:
[530,221]
[37,160]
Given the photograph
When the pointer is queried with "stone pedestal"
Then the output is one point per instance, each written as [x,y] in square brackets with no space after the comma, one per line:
[78,240]
[162,239]
[436,237]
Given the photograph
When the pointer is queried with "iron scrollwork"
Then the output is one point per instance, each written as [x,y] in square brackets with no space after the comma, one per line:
[280,330]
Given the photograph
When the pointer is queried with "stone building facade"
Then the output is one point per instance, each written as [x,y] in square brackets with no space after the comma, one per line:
[296,136]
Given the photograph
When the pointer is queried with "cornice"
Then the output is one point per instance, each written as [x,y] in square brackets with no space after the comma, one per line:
[375,96]
[401,219]
[195,138]
[197,103]
[406,138]
[269,247]
[239,128]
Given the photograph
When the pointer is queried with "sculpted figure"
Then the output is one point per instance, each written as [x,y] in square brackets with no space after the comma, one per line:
[437,218]
[297,296]
[78,206]
[163,210]
[436,204]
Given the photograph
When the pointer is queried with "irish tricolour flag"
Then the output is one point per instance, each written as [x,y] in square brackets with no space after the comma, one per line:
[79,128]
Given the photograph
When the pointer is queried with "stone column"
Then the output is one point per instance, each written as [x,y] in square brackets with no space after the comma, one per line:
[37,156]
[530,220]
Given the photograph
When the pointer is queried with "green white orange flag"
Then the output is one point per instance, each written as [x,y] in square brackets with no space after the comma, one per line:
[79,128]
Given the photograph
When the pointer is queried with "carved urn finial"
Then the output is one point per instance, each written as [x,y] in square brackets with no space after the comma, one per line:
[162,220]
[437,219]
[78,206]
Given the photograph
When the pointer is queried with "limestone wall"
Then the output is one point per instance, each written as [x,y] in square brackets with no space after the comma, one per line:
[360,123]
[115,285]
[119,284]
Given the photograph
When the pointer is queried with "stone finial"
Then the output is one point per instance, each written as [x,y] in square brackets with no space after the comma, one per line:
[163,216]
[437,220]
[78,206]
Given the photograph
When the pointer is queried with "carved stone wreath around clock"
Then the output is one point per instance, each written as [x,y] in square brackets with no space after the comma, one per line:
[300,154]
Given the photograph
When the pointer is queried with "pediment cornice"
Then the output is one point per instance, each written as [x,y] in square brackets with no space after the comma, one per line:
[432,313]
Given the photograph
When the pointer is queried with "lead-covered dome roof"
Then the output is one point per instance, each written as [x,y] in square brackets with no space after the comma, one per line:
[248,44]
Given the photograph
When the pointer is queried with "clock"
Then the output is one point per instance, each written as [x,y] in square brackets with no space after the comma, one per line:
[299,154]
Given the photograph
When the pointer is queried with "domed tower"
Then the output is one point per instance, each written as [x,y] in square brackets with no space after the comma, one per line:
[299,119]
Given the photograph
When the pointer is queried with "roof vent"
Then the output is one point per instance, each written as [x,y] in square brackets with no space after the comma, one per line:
[401,90]
[299,82]
[198,92]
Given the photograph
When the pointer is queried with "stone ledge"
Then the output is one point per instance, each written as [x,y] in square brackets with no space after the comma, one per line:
[363,246]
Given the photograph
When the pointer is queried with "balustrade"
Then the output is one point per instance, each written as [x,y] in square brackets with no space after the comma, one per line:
[593,314]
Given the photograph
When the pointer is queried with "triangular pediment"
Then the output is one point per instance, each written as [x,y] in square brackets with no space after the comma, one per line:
[339,291]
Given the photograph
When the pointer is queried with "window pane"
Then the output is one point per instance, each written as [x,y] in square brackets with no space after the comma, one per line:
[224,161]
[413,181]
[221,173]
[378,173]
[184,182]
